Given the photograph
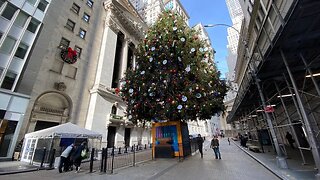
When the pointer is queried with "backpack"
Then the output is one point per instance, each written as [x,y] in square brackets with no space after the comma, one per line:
[84,154]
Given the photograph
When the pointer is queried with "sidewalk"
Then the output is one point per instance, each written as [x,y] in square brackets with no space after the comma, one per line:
[13,167]
[234,165]
[296,169]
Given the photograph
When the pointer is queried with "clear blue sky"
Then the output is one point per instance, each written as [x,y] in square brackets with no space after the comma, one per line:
[212,12]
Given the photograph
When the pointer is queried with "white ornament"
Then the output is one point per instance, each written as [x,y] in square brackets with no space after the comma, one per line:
[179,107]
[193,49]
[201,49]
[150,59]
[130,90]
[183,39]
[184,98]
[188,68]
[179,58]
[164,61]
[142,72]
[153,48]
[175,28]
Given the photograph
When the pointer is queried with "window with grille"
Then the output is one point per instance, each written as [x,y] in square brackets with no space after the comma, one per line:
[82,33]
[86,17]
[70,25]
[90,3]
[64,43]
[75,8]
[79,50]
[57,67]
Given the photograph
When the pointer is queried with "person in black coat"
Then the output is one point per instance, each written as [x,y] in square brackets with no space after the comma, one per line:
[77,158]
[200,144]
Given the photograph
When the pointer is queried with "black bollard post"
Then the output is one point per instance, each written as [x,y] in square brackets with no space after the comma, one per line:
[125,150]
[134,155]
[91,159]
[119,152]
[112,160]
[102,159]
[43,156]
[137,149]
[52,159]
[132,148]
[105,160]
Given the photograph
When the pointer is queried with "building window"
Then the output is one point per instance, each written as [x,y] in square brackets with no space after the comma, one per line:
[9,12]
[8,80]
[79,50]
[64,43]
[86,17]
[33,25]
[21,51]
[72,72]
[82,33]
[75,8]
[32,2]
[7,45]
[70,25]
[42,5]
[21,19]
[90,3]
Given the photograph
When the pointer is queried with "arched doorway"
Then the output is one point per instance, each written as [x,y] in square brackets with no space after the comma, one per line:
[50,109]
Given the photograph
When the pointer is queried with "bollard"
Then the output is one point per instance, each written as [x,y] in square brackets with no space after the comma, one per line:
[119,152]
[102,158]
[91,159]
[132,148]
[145,146]
[125,150]
[52,159]
[134,156]
[105,160]
[137,149]
[112,160]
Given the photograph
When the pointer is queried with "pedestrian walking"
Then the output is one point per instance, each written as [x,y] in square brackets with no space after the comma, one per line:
[80,153]
[200,144]
[228,140]
[64,158]
[290,139]
[215,146]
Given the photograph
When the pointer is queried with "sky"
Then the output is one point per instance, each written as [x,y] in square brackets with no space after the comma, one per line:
[212,12]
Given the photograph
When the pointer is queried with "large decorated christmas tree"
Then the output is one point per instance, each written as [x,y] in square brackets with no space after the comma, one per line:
[175,77]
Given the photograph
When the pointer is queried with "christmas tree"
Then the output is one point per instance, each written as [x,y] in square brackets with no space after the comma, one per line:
[174,78]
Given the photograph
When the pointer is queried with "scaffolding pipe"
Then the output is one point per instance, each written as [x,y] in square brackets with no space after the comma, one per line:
[311,137]
[290,123]
[310,73]
[281,161]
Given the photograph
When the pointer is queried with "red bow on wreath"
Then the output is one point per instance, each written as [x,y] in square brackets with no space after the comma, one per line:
[69,55]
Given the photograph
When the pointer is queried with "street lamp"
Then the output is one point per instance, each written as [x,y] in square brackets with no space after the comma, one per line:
[281,161]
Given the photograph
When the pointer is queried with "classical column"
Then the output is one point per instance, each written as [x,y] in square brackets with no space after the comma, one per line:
[124,59]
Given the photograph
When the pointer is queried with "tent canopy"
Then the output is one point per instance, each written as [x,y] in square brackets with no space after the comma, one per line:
[67,130]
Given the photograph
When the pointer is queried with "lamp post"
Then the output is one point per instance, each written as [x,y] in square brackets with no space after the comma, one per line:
[281,161]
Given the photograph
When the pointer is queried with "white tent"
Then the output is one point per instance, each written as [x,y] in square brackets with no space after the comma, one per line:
[67,130]
[50,138]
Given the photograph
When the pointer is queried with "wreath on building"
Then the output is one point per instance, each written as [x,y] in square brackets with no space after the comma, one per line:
[69,55]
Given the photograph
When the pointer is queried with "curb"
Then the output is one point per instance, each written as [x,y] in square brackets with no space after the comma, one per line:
[20,171]
[260,162]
